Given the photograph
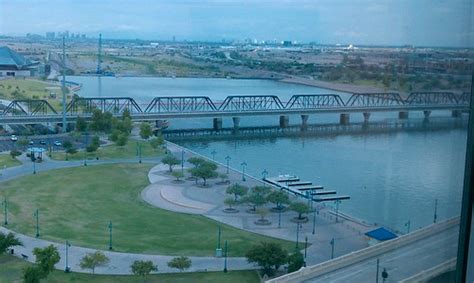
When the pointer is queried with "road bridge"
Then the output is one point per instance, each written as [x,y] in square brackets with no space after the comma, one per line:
[170,107]
[402,257]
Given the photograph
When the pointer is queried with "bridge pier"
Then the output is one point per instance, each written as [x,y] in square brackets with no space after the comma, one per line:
[403,115]
[427,113]
[284,121]
[344,118]
[217,124]
[366,117]
[456,113]
[304,121]
[236,121]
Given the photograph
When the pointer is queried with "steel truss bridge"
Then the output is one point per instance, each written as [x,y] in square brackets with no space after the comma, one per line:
[40,111]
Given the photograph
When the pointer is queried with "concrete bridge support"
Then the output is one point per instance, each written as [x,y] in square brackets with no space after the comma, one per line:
[456,113]
[284,121]
[403,115]
[217,124]
[344,118]
[427,113]
[304,121]
[236,121]
[366,117]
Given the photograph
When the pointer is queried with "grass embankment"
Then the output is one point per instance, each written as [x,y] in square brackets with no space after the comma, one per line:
[20,88]
[113,151]
[7,161]
[78,203]
[12,268]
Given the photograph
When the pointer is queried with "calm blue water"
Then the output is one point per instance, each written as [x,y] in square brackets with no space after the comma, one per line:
[391,178]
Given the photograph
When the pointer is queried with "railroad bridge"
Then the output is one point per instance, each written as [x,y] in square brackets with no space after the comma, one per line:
[168,107]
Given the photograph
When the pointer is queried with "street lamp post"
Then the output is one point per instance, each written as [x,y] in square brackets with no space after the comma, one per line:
[264,174]
[435,211]
[243,164]
[218,237]
[337,202]
[384,275]
[5,211]
[213,155]
[279,217]
[377,274]
[305,247]
[66,268]
[182,162]
[297,234]
[139,153]
[408,224]
[85,157]
[110,235]
[34,164]
[227,159]
[225,256]
[37,223]
[332,248]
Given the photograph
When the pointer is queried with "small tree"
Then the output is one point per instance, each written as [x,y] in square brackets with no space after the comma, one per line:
[230,202]
[181,263]
[196,161]
[224,178]
[143,268]
[71,151]
[262,212]
[254,200]
[178,175]
[205,171]
[14,153]
[22,142]
[7,241]
[46,258]
[269,256]
[300,208]
[295,261]
[279,198]
[237,190]
[122,139]
[32,274]
[261,190]
[171,161]
[145,130]
[67,145]
[93,260]
[81,124]
[156,142]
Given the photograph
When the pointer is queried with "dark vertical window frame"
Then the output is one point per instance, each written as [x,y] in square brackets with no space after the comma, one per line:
[467,199]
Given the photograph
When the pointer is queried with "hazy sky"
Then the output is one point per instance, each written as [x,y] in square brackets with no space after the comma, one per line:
[393,22]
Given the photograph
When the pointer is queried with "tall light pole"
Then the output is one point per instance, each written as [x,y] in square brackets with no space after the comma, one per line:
[305,247]
[5,211]
[377,274]
[279,217]
[337,202]
[243,164]
[213,155]
[332,248]
[34,163]
[182,162]
[314,220]
[408,224]
[227,159]
[139,153]
[63,84]
[225,256]
[37,223]
[218,237]
[297,234]
[435,217]
[110,235]
[66,268]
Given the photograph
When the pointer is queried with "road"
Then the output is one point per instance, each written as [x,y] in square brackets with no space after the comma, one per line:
[400,263]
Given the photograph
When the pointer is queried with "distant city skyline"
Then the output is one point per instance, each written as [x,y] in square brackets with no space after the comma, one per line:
[358,22]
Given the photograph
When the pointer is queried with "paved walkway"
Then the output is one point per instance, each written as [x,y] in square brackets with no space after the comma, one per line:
[187,197]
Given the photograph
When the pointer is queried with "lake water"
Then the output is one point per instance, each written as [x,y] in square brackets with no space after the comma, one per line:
[391,178]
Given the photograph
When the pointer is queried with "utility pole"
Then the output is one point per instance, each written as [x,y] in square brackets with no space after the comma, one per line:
[435,211]
[63,84]
[332,248]
[37,223]
[5,211]
[99,56]
[110,235]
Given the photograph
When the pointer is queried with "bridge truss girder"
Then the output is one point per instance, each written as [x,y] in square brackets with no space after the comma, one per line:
[114,105]
[29,107]
[251,103]
[311,101]
[430,98]
[174,104]
[375,99]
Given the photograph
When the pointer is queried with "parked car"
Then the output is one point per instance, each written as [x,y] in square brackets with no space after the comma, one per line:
[31,143]
[42,142]
[14,138]
[58,143]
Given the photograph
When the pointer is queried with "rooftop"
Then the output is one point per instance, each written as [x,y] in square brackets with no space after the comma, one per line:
[9,57]
[381,234]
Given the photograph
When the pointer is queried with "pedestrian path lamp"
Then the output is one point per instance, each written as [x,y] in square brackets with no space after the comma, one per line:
[298,226]
[139,153]
[66,268]
[110,235]
[34,164]
[332,248]
[384,275]
[5,211]
[243,164]
[314,220]
[182,162]
[218,237]
[337,202]
[305,248]
[264,174]
[227,159]
[37,223]
[213,155]
[279,217]
[408,224]
[225,256]
[85,157]
[435,211]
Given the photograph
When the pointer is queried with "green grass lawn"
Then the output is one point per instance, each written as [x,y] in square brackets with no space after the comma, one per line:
[113,152]
[12,268]
[7,161]
[78,203]
[17,88]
